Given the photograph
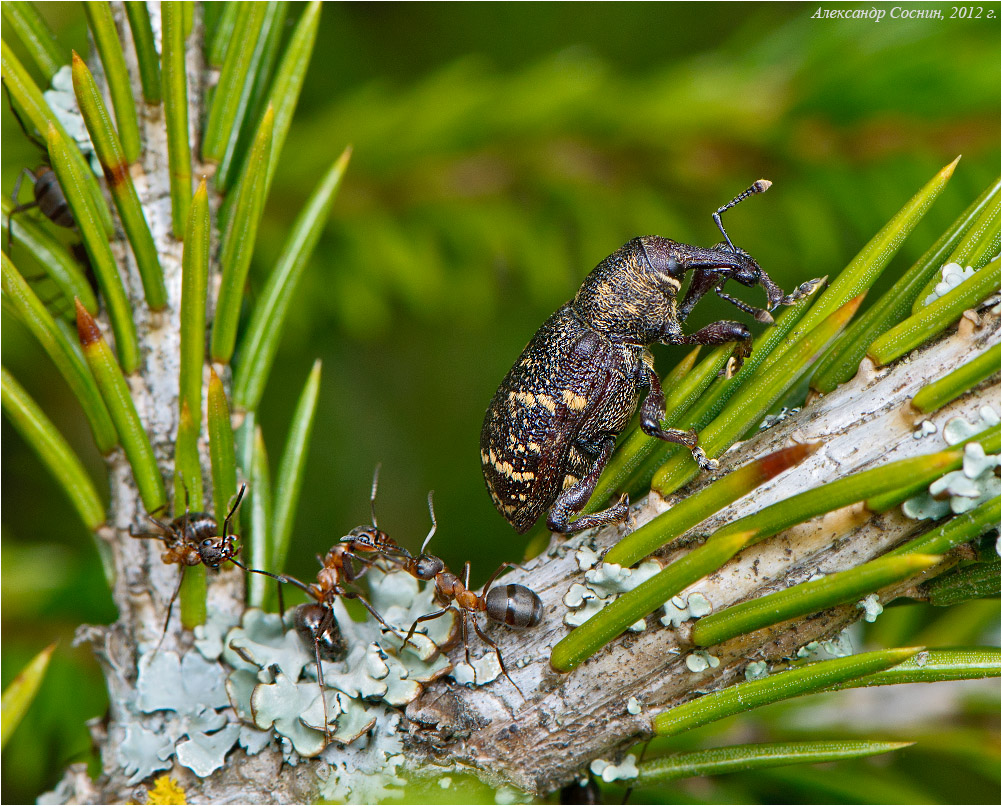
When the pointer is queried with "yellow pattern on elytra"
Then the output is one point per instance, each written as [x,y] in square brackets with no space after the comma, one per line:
[574,401]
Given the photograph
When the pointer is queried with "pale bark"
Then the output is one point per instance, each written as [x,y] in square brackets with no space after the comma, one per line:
[568,720]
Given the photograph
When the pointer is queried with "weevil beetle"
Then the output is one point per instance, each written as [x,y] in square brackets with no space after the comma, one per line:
[553,422]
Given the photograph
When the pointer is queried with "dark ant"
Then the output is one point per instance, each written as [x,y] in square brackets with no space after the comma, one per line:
[514,605]
[193,539]
[48,196]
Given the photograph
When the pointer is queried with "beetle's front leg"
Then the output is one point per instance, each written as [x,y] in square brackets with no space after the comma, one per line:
[652,412]
[721,333]
[574,498]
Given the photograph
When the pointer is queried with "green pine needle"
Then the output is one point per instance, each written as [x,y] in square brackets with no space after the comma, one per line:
[797,682]
[109,48]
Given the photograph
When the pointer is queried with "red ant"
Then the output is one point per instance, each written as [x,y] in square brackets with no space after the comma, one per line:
[192,539]
[315,621]
[514,605]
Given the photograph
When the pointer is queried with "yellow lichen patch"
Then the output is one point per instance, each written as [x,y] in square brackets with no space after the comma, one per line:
[574,401]
[526,398]
[165,791]
[570,481]
[534,447]
[547,403]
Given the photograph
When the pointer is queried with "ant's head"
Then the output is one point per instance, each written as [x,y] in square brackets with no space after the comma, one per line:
[218,549]
[427,567]
[367,538]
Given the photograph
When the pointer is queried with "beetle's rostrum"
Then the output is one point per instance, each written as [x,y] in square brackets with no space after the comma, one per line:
[552,424]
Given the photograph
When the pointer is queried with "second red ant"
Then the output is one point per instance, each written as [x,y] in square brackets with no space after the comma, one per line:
[513,605]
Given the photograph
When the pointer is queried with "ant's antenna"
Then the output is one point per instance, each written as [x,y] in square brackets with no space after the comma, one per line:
[434,523]
[233,508]
[758,186]
[372,495]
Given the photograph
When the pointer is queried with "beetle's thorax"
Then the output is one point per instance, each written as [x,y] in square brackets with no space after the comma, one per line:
[631,295]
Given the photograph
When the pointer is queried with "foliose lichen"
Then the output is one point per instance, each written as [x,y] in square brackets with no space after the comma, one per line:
[953,274]
[604,583]
[679,609]
[609,772]
[256,682]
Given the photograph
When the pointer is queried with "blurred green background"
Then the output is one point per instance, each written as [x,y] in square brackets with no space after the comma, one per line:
[500,152]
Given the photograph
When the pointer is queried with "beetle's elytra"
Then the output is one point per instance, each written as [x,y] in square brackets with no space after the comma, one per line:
[553,422]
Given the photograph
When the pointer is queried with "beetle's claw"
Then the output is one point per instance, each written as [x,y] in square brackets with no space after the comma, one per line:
[704,463]
[804,290]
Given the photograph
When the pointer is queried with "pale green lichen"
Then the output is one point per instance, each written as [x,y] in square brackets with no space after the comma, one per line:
[871,608]
[609,772]
[678,609]
[62,100]
[701,660]
[960,490]
[191,693]
[603,584]
[953,274]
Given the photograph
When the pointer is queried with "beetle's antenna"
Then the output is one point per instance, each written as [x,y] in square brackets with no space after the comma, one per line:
[758,186]
[372,495]
[434,523]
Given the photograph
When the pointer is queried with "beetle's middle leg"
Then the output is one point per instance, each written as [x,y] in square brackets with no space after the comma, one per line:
[652,412]
[574,498]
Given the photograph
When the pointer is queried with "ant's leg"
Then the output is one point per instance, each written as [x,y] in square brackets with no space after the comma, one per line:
[629,789]
[170,607]
[325,625]
[370,608]
[497,652]
[320,682]
[279,579]
[164,526]
[19,208]
[502,567]
[426,617]
[466,644]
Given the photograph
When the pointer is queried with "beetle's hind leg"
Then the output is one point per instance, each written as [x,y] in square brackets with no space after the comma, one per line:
[574,498]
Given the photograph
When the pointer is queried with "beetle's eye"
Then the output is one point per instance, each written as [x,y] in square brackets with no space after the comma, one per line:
[208,543]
